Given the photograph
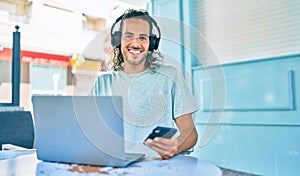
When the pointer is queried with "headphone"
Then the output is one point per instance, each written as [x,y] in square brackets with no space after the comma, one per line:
[143,14]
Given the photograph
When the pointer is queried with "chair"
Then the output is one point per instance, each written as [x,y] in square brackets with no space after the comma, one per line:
[16,127]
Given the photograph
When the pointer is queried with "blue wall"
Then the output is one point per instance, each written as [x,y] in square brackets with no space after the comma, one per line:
[170,27]
[250,116]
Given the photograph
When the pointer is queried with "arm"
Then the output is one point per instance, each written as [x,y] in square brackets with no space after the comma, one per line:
[167,148]
[188,133]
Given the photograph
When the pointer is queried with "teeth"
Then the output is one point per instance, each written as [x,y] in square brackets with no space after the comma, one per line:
[135,51]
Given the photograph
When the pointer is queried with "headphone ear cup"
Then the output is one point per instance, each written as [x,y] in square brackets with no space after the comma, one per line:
[116,39]
[154,42]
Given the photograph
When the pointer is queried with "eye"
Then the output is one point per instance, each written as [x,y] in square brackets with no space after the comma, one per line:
[143,38]
[128,36]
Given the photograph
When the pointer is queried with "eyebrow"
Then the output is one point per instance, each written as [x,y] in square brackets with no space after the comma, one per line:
[133,34]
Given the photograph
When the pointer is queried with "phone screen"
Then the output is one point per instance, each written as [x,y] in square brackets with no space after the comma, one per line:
[164,132]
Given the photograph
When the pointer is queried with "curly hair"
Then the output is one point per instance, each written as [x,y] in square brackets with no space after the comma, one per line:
[153,59]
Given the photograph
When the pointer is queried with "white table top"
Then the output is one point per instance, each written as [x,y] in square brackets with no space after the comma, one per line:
[26,163]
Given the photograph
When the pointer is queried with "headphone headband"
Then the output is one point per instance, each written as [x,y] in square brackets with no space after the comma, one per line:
[130,13]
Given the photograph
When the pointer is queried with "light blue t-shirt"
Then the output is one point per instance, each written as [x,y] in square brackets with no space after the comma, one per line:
[149,100]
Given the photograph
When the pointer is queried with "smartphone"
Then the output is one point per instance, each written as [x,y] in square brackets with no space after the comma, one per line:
[164,132]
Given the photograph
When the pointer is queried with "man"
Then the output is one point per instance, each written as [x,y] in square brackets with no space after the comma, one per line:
[153,94]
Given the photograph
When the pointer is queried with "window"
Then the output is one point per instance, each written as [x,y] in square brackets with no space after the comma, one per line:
[17,11]
[5,81]
[247,30]
[48,80]
[93,23]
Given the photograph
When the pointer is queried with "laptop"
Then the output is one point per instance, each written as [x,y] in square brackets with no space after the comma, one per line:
[81,130]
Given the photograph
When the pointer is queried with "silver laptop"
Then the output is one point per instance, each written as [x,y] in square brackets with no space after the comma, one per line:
[81,129]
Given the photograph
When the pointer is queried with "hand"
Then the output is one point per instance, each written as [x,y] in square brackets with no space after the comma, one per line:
[165,147]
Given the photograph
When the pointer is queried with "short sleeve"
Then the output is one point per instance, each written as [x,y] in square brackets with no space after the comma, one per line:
[103,85]
[183,100]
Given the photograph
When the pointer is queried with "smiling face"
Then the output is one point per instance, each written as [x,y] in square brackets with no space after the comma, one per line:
[135,44]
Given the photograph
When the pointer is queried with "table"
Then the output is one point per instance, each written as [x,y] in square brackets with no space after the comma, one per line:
[27,164]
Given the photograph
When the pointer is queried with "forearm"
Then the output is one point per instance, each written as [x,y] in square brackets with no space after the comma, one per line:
[186,140]
[188,133]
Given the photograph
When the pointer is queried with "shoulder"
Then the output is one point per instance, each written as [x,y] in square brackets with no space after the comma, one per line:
[106,74]
[168,70]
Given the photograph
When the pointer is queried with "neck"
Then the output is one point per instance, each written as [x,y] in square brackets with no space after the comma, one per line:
[132,69]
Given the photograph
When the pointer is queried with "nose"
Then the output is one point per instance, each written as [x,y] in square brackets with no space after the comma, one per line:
[135,41]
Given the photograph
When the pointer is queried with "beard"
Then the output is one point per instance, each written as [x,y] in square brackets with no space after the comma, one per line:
[135,60]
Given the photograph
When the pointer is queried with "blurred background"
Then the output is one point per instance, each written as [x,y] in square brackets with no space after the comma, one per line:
[54,35]
[240,58]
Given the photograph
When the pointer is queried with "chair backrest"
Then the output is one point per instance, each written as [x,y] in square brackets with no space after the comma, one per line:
[16,127]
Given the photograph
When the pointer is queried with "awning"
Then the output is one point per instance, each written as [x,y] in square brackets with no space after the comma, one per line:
[37,58]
